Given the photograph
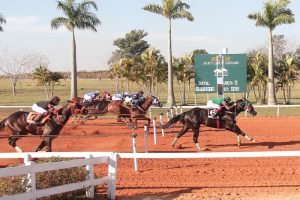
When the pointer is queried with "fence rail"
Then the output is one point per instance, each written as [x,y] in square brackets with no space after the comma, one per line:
[31,168]
[91,158]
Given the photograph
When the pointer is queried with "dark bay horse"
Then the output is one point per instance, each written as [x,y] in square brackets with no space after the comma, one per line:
[130,115]
[18,126]
[193,118]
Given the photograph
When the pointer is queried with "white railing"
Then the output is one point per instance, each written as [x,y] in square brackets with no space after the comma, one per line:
[179,109]
[31,168]
[92,158]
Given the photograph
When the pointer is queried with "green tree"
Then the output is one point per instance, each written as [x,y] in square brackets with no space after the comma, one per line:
[152,61]
[131,46]
[46,78]
[78,15]
[184,71]
[2,21]
[257,76]
[287,73]
[274,14]
[171,9]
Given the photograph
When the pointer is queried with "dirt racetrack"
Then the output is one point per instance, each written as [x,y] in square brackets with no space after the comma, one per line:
[182,179]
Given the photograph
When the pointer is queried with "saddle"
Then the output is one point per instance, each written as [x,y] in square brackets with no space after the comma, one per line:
[33,115]
[211,117]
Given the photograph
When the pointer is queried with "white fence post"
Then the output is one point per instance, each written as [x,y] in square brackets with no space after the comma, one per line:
[112,176]
[154,130]
[161,125]
[277,111]
[90,177]
[146,137]
[30,180]
[133,135]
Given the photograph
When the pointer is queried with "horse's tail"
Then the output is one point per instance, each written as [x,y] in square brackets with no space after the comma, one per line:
[172,121]
[2,124]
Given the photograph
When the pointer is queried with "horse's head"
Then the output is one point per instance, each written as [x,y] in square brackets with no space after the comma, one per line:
[105,96]
[76,106]
[156,102]
[246,106]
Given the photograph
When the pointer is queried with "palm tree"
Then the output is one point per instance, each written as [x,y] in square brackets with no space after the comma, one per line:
[257,75]
[287,75]
[171,9]
[78,15]
[274,14]
[2,21]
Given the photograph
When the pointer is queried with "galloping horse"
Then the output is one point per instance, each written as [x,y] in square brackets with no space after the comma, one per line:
[18,126]
[196,116]
[139,113]
[129,114]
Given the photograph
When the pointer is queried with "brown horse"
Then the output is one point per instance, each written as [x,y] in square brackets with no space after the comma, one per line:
[131,115]
[105,96]
[193,118]
[18,125]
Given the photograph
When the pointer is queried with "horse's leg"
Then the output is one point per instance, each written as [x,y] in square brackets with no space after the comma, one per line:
[234,128]
[179,134]
[195,139]
[12,141]
[41,146]
[48,143]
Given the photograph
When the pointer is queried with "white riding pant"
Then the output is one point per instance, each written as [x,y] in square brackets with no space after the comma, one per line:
[38,109]
[210,104]
[87,98]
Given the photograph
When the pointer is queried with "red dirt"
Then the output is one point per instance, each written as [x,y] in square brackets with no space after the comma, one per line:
[181,179]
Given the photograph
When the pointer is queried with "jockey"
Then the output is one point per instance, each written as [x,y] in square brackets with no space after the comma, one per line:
[90,97]
[138,99]
[219,104]
[44,107]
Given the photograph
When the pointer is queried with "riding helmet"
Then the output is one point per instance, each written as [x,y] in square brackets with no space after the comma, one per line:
[227,99]
[140,92]
[55,99]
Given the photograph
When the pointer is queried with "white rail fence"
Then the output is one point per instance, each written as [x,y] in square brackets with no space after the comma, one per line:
[31,168]
[179,109]
[92,158]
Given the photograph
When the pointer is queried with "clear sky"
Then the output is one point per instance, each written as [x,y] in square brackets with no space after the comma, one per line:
[217,24]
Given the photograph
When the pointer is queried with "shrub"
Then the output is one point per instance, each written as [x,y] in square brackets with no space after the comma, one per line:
[14,185]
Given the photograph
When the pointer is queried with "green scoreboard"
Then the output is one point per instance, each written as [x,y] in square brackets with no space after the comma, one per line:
[232,68]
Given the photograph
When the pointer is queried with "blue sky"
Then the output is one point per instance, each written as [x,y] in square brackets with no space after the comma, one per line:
[217,24]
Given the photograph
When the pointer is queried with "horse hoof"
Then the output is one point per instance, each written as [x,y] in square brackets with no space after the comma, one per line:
[253,141]
[205,149]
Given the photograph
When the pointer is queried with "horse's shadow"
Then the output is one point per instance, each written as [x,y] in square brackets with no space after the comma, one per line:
[269,145]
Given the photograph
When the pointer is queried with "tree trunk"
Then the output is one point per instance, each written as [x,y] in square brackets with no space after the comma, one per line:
[171,98]
[180,93]
[289,94]
[14,83]
[74,68]
[271,95]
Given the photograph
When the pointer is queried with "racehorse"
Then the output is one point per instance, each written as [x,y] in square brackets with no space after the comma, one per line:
[18,125]
[105,96]
[193,118]
[117,107]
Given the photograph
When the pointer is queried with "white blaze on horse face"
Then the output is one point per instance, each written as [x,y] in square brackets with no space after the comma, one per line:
[128,99]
